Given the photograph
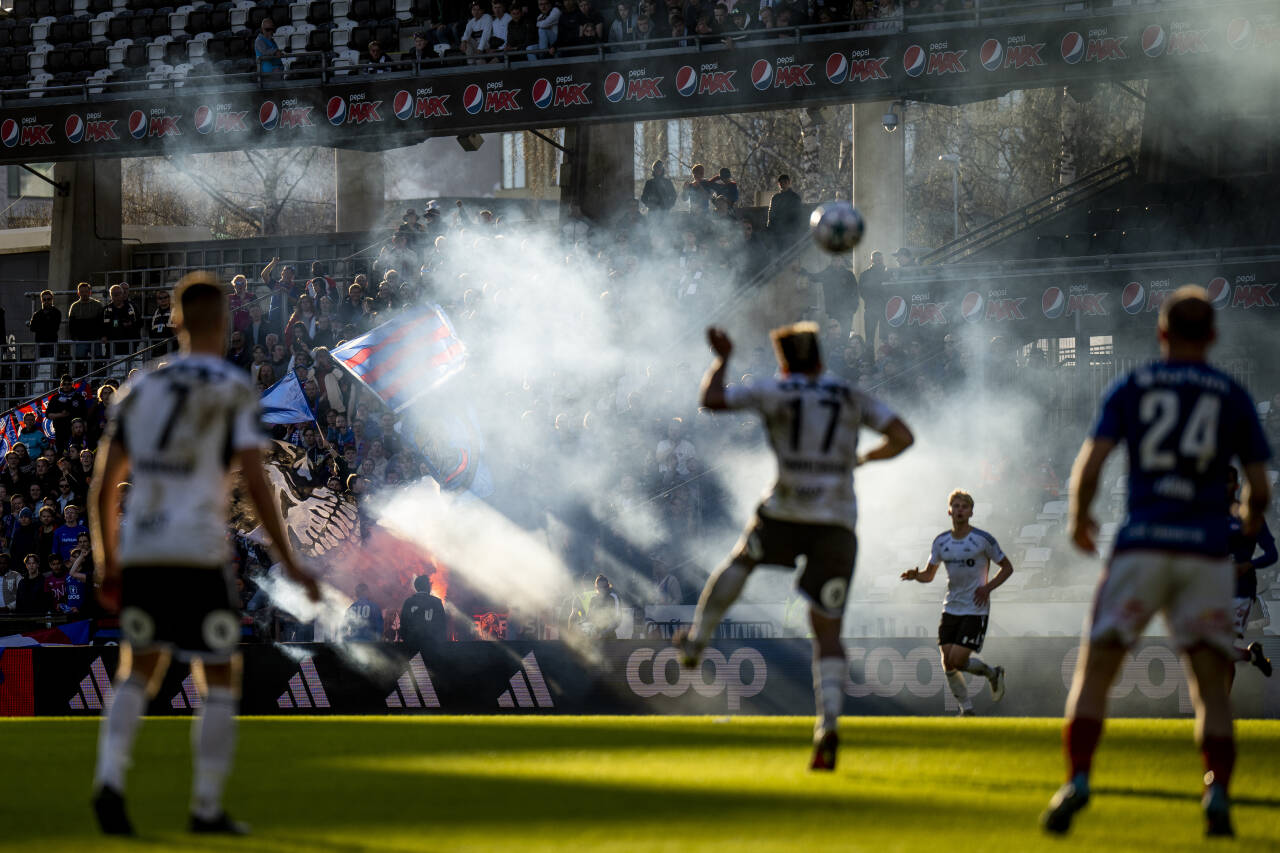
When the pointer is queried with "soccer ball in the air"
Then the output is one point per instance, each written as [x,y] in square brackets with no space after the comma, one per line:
[837,227]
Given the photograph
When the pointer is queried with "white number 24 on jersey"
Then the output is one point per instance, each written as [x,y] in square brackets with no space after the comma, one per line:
[1158,410]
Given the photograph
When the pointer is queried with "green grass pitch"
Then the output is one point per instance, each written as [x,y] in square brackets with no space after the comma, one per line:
[640,784]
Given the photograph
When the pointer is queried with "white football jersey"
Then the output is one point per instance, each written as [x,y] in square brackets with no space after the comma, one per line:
[181,425]
[812,426]
[967,561]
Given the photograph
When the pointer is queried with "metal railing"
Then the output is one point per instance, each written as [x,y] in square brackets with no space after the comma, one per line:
[1033,213]
[325,69]
[28,371]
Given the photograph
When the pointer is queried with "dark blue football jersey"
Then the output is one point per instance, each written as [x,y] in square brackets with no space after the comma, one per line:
[1183,423]
[1242,550]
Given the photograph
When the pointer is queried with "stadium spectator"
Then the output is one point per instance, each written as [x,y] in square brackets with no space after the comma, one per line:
[667,588]
[501,20]
[423,623]
[363,620]
[593,26]
[44,324]
[84,321]
[678,30]
[9,580]
[521,32]
[66,493]
[786,213]
[239,301]
[160,329]
[839,290]
[375,61]
[872,288]
[623,27]
[284,291]
[121,326]
[698,191]
[476,33]
[723,185]
[55,582]
[904,257]
[31,597]
[239,353]
[32,436]
[570,26]
[256,331]
[68,534]
[266,51]
[604,610]
[77,582]
[548,26]
[66,405]
[659,194]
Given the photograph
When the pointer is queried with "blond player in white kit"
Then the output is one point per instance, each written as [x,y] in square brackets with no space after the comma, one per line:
[968,553]
[812,419]
[179,432]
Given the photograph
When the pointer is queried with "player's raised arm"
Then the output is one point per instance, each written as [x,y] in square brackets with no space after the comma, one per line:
[897,438]
[713,381]
[255,480]
[1081,526]
[111,468]
[916,574]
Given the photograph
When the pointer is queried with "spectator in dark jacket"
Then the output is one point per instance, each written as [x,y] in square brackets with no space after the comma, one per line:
[422,618]
[44,323]
[120,321]
[786,212]
[659,194]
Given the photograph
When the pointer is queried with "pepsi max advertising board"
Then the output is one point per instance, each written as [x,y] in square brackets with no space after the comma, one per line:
[388,110]
[1047,304]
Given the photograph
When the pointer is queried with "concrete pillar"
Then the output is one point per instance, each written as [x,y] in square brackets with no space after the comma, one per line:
[84,234]
[599,170]
[360,182]
[878,182]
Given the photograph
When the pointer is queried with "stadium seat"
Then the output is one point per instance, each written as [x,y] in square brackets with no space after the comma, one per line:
[139,25]
[24,9]
[200,20]
[22,34]
[361,10]
[241,45]
[220,18]
[42,9]
[359,37]
[404,10]
[135,55]
[255,17]
[1033,534]
[1053,512]
[319,12]
[281,14]
[118,26]
[388,33]
[383,9]
[1036,558]
[63,7]
[96,56]
[217,48]
[319,40]
[341,8]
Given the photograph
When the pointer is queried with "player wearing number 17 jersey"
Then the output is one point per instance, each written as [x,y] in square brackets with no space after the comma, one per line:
[812,421]
[179,431]
[1182,423]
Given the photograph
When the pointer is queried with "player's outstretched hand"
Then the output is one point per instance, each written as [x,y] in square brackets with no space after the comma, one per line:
[981,595]
[1084,533]
[719,340]
[910,574]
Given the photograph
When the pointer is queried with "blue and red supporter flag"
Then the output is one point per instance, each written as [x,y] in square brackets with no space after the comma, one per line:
[11,421]
[406,357]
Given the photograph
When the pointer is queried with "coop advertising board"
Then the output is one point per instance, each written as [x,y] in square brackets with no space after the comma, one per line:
[378,111]
[891,676]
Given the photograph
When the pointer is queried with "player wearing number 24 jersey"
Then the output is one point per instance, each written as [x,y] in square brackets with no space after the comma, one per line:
[1182,422]
[812,419]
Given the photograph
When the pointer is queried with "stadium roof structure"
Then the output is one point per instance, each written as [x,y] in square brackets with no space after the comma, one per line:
[1021,47]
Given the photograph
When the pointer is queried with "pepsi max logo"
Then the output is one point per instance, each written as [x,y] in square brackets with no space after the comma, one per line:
[1154,41]
[1073,48]
[1219,290]
[473,99]
[204,119]
[336,110]
[686,80]
[991,55]
[268,115]
[137,124]
[837,68]
[1133,297]
[971,306]
[74,128]
[402,105]
[615,87]
[914,60]
[1053,302]
[543,92]
[1239,33]
[895,311]
[9,132]
[762,74]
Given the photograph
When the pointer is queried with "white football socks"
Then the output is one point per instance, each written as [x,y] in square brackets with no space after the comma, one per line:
[828,686]
[721,591]
[213,743]
[977,667]
[955,680]
[117,731]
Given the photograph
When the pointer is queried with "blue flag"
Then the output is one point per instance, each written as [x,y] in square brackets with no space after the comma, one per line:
[284,402]
[406,357]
